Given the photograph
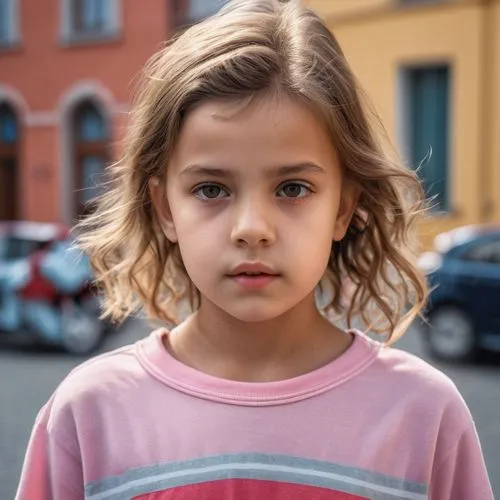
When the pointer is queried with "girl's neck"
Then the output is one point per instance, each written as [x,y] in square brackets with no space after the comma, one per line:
[293,344]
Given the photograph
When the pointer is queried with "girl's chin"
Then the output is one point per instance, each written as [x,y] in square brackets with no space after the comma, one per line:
[256,313]
[256,309]
[253,316]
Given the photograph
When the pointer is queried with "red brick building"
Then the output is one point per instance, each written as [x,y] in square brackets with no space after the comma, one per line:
[66,68]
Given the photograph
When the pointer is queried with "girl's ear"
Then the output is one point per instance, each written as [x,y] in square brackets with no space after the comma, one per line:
[348,203]
[157,192]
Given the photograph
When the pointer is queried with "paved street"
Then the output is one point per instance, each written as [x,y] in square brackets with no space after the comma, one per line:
[28,377]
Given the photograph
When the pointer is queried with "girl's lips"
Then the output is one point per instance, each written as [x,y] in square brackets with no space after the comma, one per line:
[254,282]
[253,268]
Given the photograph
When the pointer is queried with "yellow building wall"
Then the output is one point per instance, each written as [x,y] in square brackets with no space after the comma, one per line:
[493,108]
[340,8]
[379,44]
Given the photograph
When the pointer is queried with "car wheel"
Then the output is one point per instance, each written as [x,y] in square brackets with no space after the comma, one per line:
[451,334]
[82,331]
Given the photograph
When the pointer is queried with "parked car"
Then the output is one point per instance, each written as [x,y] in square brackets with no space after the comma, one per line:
[464,309]
[45,287]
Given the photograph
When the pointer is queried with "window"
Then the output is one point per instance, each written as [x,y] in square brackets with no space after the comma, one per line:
[8,126]
[90,16]
[425,125]
[192,11]
[8,163]
[488,252]
[9,29]
[90,133]
[198,9]
[20,248]
[4,21]
[86,20]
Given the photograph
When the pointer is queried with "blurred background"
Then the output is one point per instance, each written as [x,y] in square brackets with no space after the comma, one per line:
[431,69]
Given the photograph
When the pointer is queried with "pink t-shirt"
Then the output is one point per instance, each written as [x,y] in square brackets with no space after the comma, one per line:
[136,423]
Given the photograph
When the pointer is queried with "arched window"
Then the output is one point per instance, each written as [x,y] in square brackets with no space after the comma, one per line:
[9,151]
[90,132]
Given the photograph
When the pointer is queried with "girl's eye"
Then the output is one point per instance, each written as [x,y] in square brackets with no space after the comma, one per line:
[294,190]
[210,192]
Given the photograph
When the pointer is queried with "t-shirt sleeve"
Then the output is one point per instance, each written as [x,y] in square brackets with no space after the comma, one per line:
[462,474]
[50,471]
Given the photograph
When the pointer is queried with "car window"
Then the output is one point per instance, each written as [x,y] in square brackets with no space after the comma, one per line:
[19,248]
[484,252]
[3,247]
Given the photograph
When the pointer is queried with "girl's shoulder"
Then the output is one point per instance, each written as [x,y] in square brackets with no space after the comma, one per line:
[112,376]
[399,372]
[397,358]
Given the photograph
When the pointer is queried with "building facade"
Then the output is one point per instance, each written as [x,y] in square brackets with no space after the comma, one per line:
[67,67]
[431,68]
[66,73]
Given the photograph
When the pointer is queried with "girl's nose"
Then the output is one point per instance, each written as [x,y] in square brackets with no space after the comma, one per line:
[252,225]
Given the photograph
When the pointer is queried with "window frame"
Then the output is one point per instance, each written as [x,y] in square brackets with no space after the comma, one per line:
[13,36]
[69,35]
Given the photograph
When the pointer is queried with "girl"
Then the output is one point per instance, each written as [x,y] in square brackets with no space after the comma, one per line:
[251,179]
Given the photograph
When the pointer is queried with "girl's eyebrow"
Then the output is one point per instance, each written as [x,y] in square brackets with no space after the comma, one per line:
[299,168]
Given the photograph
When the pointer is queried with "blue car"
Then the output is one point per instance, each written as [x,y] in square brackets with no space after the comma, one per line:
[463,314]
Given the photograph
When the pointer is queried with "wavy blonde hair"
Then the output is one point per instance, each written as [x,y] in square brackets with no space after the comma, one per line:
[250,47]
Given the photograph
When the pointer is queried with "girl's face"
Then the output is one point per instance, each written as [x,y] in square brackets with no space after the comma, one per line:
[255,199]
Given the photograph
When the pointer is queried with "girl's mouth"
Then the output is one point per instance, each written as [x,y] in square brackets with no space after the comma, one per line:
[254,281]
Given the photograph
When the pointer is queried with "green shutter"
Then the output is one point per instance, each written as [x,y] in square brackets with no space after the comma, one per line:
[428,94]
